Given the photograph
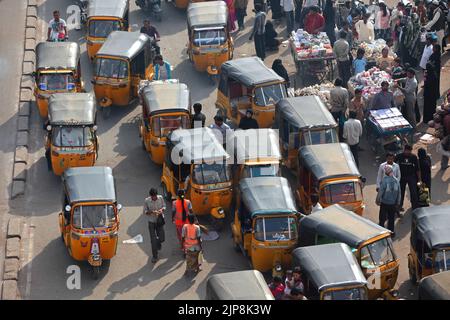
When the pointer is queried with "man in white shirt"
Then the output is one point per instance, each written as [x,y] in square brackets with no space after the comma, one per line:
[288,8]
[390,157]
[427,51]
[365,29]
[57,28]
[352,132]
[221,129]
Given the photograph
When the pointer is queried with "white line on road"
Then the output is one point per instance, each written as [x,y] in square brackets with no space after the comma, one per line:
[29,261]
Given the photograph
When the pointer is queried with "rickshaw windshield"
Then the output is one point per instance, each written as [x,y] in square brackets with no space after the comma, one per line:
[275,228]
[56,81]
[344,192]
[377,254]
[102,28]
[97,216]
[269,95]
[320,137]
[348,294]
[164,125]
[442,261]
[264,170]
[65,136]
[211,173]
[209,37]
[111,68]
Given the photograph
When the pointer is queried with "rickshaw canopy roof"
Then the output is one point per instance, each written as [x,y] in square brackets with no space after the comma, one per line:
[72,109]
[433,225]
[329,160]
[342,225]
[198,145]
[329,265]
[86,184]
[250,71]
[435,287]
[207,14]
[57,55]
[123,44]
[267,195]
[306,112]
[165,96]
[107,8]
[256,144]
[239,285]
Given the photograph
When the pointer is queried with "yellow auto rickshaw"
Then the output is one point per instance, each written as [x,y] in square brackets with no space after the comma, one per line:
[58,70]
[104,17]
[197,162]
[71,139]
[166,106]
[89,222]
[122,62]
[246,83]
[257,154]
[329,171]
[303,121]
[330,272]
[264,227]
[435,287]
[430,242]
[238,285]
[210,42]
[370,243]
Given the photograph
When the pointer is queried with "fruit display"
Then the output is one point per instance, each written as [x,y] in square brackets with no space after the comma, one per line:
[320,90]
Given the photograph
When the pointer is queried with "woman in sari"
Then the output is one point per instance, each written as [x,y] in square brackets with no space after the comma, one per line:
[231,15]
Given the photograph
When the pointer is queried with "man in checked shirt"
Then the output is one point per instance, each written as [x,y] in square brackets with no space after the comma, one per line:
[258,32]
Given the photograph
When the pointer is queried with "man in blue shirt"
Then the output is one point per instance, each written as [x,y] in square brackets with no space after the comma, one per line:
[359,64]
[383,99]
[389,196]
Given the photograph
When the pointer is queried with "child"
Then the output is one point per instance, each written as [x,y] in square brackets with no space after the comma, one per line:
[397,70]
[385,61]
[359,64]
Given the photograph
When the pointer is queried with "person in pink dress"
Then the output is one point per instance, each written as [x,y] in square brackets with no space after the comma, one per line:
[231,15]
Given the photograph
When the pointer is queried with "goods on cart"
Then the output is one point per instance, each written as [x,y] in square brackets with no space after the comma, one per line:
[373,49]
[321,90]
[369,82]
[390,119]
[310,46]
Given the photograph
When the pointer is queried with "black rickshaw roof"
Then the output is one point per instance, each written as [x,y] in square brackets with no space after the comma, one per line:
[329,160]
[207,14]
[345,226]
[57,55]
[123,44]
[108,8]
[169,95]
[255,144]
[72,109]
[250,71]
[433,225]
[198,145]
[435,287]
[306,112]
[267,195]
[238,285]
[85,184]
[329,265]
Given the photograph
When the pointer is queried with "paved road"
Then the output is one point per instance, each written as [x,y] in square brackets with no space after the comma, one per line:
[131,275]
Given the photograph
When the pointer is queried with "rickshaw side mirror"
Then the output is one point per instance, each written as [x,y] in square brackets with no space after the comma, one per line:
[119,207]
[67,208]
[363,180]
[48,128]
[94,128]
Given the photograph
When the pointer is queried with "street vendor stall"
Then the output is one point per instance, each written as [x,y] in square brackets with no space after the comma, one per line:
[321,90]
[313,56]
[372,51]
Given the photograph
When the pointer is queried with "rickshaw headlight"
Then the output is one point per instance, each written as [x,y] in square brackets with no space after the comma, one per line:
[119,207]
[71,86]
[278,268]
[94,128]
[67,208]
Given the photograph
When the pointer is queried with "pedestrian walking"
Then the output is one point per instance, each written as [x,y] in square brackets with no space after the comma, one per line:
[199,118]
[258,32]
[437,23]
[425,167]
[192,244]
[410,175]
[163,69]
[390,157]
[430,93]
[280,70]
[435,60]
[231,15]
[409,91]
[388,198]
[241,12]
[382,26]
[181,207]
[220,129]
[288,8]
[341,50]
[154,207]
[352,133]
[365,29]
[339,102]
[329,12]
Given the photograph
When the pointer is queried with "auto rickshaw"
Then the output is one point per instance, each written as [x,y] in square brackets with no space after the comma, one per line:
[122,62]
[329,170]
[303,121]
[104,17]
[238,285]
[370,243]
[166,106]
[257,154]
[247,83]
[210,42]
[89,221]
[430,242]
[435,287]
[197,162]
[330,272]
[265,223]
[71,131]
[58,70]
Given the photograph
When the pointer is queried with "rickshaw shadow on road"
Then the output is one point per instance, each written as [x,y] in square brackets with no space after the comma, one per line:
[116,115]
